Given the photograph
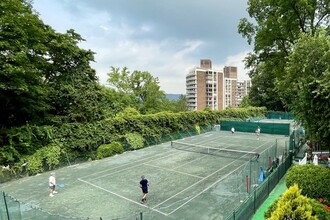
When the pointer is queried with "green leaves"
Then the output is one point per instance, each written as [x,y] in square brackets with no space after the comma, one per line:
[293,205]
[141,86]
[314,181]
[275,29]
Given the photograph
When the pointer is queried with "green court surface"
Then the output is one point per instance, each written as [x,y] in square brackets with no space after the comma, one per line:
[183,184]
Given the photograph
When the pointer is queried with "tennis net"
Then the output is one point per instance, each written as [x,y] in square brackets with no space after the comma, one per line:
[221,152]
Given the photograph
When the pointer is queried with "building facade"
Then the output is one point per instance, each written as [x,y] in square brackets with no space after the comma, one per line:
[214,89]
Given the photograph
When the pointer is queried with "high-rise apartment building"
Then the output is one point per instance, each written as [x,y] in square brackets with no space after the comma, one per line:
[214,89]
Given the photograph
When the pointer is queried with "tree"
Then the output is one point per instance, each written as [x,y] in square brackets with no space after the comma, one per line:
[23,95]
[42,73]
[245,102]
[293,205]
[141,86]
[276,27]
[308,77]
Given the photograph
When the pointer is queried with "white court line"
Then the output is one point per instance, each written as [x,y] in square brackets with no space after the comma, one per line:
[205,189]
[200,177]
[136,161]
[198,158]
[163,213]
[120,170]
[194,184]
[201,180]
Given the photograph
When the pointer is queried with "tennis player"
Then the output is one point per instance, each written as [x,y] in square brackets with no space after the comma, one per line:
[144,186]
[232,130]
[52,184]
[258,131]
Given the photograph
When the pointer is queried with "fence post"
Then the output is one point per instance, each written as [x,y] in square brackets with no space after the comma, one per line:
[254,200]
[4,199]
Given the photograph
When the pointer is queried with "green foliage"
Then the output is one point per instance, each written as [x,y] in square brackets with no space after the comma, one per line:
[22,89]
[318,210]
[308,78]
[314,181]
[275,29]
[128,113]
[134,140]
[141,86]
[46,158]
[198,129]
[245,102]
[292,205]
[81,140]
[107,150]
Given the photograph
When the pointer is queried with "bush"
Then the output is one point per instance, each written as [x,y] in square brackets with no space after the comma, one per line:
[293,205]
[134,140]
[46,158]
[319,210]
[107,150]
[314,181]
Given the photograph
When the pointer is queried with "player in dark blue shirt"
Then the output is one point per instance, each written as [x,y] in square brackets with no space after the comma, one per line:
[144,186]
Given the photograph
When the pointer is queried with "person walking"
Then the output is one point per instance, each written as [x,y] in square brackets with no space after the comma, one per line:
[144,184]
[52,184]
[258,132]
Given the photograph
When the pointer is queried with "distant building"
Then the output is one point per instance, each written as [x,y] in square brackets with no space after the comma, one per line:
[214,89]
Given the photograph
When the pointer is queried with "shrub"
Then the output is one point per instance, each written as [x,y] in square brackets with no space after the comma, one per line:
[107,150]
[314,181]
[134,141]
[198,129]
[319,210]
[46,158]
[293,205]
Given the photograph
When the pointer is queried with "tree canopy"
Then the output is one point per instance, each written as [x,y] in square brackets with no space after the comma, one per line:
[141,86]
[308,79]
[275,29]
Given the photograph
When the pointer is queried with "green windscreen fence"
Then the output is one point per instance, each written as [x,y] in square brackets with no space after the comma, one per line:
[245,126]
[12,209]
[280,115]
[260,194]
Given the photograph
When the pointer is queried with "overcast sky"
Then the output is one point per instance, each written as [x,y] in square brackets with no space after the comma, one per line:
[166,38]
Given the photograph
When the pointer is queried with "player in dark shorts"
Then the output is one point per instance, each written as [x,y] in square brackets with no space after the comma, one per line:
[144,186]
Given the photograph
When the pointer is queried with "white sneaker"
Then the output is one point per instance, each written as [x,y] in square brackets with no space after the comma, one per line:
[54,192]
[51,195]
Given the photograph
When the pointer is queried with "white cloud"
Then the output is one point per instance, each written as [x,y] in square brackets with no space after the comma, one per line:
[166,40]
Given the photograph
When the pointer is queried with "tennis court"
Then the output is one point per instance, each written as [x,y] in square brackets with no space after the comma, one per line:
[188,180]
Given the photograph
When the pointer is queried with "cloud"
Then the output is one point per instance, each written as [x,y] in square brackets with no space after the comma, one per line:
[165,38]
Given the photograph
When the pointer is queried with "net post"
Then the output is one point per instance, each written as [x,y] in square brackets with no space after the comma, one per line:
[171,144]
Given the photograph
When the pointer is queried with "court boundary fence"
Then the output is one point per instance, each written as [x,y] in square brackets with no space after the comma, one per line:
[250,205]
[13,209]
